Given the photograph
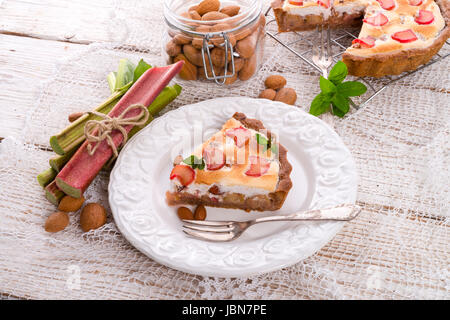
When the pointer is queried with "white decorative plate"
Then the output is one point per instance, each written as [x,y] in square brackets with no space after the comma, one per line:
[323,175]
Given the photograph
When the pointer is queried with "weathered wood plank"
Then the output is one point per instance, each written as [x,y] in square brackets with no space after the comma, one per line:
[81,21]
[25,63]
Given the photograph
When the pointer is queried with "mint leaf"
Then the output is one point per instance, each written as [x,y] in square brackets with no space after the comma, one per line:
[274,148]
[341,102]
[327,86]
[338,73]
[266,143]
[351,88]
[338,112]
[140,69]
[195,162]
[320,104]
[201,166]
[262,141]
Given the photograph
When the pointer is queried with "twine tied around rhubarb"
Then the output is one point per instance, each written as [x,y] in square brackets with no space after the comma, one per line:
[99,130]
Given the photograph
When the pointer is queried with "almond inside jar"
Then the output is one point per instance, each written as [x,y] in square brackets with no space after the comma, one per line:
[225,62]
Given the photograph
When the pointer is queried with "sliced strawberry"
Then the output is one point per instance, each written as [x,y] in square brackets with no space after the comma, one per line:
[214,158]
[404,36]
[378,20]
[240,135]
[296,3]
[387,4]
[324,3]
[184,174]
[425,17]
[415,2]
[258,166]
[366,42]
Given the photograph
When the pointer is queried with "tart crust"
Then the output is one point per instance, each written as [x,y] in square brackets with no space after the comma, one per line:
[292,22]
[374,65]
[270,202]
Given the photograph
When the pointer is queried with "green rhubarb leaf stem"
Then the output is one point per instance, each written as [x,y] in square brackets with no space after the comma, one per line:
[58,162]
[46,177]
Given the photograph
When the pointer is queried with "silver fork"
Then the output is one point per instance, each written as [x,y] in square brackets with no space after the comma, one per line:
[221,231]
[322,50]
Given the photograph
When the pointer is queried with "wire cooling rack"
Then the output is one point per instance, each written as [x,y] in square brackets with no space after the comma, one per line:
[301,45]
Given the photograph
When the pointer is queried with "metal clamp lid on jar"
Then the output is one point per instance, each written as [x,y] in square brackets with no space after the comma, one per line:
[219,79]
[227,46]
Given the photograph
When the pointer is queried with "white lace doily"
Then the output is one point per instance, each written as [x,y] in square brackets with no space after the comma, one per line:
[397,247]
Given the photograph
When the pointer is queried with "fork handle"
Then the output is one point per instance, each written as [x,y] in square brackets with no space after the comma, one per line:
[343,212]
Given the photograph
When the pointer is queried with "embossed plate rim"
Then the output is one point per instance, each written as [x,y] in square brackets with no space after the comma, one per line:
[150,242]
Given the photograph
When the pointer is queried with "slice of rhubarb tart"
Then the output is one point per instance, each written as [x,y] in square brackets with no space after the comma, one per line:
[242,166]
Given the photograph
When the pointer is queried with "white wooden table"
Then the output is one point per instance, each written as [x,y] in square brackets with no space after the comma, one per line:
[33,35]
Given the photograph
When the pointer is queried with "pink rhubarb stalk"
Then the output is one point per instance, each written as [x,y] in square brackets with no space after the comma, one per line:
[79,172]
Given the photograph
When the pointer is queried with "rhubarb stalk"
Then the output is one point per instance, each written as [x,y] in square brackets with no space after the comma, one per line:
[79,172]
[119,82]
[47,176]
[168,94]
[53,193]
[72,136]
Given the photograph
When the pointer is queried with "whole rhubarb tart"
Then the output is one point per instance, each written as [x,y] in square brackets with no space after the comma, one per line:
[396,35]
[242,166]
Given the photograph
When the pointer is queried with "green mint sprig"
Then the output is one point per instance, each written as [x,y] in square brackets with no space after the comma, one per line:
[266,143]
[195,162]
[335,92]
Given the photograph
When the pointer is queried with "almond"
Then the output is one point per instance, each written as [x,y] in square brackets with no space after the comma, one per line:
[200,213]
[189,71]
[219,40]
[197,42]
[185,213]
[57,221]
[246,47]
[185,15]
[193,8]
[214,15]
[229,80]
[275,82]
[173,49]
[70,204]
[194,15]
[178,159]
[172,33]
[238,64]
[93,216]
[249,68]
[218,57]
[268,94]
[193,55]
[207,6]
[201,71]
[182,39]
[230,10]
[286,95]
[241,34]
[262,22]
[74,116]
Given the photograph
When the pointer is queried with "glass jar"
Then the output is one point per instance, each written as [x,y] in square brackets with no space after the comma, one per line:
[226,49]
